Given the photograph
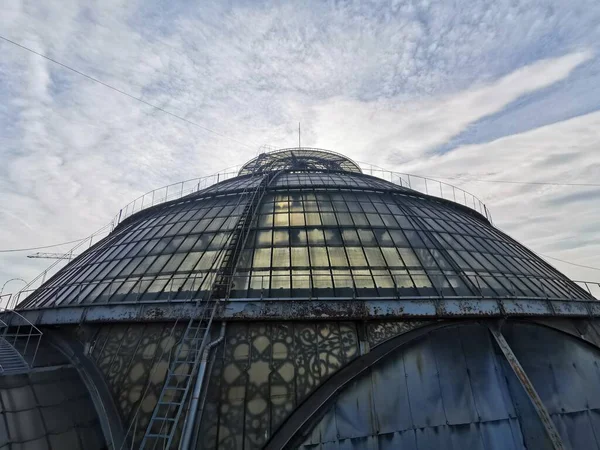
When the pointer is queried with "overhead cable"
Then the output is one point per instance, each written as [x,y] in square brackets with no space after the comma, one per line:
[95,80]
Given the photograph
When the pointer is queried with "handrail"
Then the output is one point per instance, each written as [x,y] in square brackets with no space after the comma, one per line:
[13,338]
[593,287]
[82,245]
[180,189]
[429,186]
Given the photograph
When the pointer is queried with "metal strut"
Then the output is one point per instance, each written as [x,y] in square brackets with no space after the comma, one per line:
[182,371]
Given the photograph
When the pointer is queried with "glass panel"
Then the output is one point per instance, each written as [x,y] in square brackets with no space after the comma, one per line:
[367,237]
[328,219]
[281,220]
[280,283]
[313,219]
[318,257]
[265,220]
[281,237]
[297,219]
[281,257]
[259,284]
[299,257]
[414,239]
[263,238]
[409,257]
[374,257]
[404,284]
[342,281]
[322,283]
[350,237]
[392,258]
[174,262]
[375,220]
[298,237]
[207,260]
[383,282]
[191,259]
[301,283]
[262,257]
[337,256]
[344,219]
[356,256]
[240,285]
[399,238]
[158,263]
[423,283]
[333,237]
[315,236]
[364,284]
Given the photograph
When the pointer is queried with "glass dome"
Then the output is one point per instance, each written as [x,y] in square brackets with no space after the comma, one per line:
[320,230]
[322,304]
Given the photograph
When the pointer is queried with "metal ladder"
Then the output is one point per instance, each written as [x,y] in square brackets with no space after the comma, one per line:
[182,369]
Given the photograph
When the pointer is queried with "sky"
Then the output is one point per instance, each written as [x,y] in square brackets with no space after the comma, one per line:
[474,93]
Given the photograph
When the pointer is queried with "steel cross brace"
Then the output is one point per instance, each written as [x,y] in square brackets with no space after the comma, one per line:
[541,410]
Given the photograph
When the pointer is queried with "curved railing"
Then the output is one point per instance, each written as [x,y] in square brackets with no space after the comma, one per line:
[180,189]
[20,334]
[429,186]
[173,191]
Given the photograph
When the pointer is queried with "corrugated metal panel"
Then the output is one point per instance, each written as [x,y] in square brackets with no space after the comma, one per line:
[454,390]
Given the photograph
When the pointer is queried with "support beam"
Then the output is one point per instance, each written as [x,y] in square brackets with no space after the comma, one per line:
[528,386]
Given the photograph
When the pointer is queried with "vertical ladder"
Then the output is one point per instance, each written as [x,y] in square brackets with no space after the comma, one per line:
[182,369]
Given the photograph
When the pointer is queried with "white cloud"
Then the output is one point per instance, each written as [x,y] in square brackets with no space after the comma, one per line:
[561,221]
[384,83]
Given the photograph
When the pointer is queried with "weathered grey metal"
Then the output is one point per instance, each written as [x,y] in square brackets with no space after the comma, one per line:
[288,433]
[452,389]
[99,393]
[291,309]
[541,410]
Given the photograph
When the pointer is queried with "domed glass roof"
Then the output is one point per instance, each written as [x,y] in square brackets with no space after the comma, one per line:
[300,159]
[320,230]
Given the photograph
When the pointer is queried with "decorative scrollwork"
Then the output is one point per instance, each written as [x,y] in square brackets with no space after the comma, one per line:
[379,332]
[263,371]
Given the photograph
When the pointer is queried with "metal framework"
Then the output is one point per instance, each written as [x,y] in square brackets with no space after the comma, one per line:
[303,158]
[19,342]
[291,433]
[171,403]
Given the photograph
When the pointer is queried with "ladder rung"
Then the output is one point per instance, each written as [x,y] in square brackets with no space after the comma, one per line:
[165,419]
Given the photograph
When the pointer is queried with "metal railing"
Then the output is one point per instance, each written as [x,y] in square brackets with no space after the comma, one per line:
[21,334]
[80,247]
[430,186]
[400,286]
[173,191]
[592,287]
[180,189]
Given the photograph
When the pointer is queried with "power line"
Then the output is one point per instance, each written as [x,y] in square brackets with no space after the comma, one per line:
[13,250]
[95,80]
[568,262]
